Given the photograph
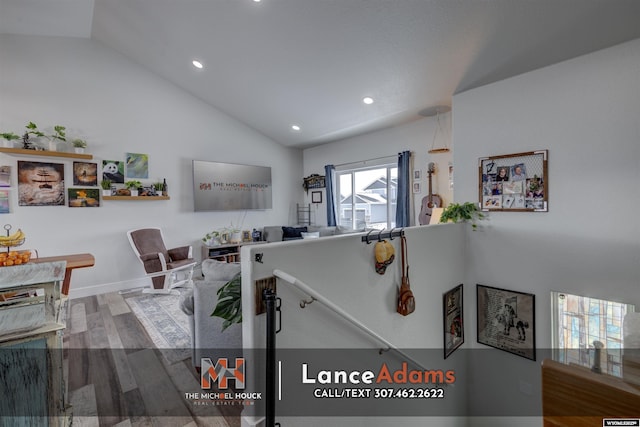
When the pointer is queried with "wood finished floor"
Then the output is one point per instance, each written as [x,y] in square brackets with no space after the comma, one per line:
[119,388]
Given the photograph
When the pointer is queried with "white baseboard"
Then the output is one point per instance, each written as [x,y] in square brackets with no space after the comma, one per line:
[108,287]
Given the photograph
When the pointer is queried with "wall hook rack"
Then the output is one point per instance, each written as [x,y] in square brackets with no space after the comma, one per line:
[383,235]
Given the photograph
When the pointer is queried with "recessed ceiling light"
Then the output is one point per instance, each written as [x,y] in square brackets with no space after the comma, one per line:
[295,128]
[367,100]
[197,64]
[257,1]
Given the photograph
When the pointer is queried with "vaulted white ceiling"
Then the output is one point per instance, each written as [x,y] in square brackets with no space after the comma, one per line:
[275,63]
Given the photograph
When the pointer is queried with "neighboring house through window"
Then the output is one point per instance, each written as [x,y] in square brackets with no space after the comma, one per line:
[366,194]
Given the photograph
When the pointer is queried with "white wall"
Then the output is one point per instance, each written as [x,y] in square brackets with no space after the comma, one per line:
[585,112]
[120,107]
[416,137]
[341,268]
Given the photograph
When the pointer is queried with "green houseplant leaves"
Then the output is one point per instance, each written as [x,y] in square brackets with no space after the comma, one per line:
[229,305]
[465,212]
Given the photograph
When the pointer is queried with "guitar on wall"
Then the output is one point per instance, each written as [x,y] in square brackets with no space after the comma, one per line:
[429,201]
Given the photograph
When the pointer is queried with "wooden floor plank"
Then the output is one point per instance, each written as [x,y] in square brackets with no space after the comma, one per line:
[83,402]
[78,318]
[123,371]
[116,304]
[161,398]
[132,333]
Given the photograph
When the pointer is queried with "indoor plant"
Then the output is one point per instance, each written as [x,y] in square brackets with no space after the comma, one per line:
[9,137]
[59,134]
[212,238]
[106,187]
[79,145]
[229,306]
[465,212]
[133,186]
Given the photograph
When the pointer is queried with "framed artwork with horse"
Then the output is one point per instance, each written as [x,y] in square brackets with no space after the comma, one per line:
[506,320]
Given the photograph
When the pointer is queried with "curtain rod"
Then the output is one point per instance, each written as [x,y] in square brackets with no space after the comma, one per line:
[368,160]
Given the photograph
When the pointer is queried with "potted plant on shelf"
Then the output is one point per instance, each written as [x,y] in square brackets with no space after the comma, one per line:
[133,186]
[8,138]
[212,238]
[57,135]
[465,212]
[106,187]
[79,145]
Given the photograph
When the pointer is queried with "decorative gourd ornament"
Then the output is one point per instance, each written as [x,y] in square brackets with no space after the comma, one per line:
[384,255]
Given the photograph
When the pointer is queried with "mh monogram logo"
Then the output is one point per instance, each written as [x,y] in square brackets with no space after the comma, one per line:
[221,373]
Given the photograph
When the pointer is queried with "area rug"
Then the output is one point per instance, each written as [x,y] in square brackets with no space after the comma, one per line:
[166,324]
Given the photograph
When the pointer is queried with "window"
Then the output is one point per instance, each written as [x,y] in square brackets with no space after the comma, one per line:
[579,322]
[366,196]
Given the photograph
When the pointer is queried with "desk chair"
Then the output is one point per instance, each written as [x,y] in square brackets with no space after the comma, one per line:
[167,269]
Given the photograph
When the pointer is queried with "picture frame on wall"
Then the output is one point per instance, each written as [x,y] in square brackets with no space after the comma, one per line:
[514,182]
[452,310]
[506,320]
[316,197]
[40,184]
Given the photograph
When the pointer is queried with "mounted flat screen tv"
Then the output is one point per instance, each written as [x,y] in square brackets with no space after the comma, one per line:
[230,187]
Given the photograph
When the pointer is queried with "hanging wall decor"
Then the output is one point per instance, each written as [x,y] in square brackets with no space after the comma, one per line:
[514,182]
[40,184]
[506,320]
[453,325]
[85,173]
[137,165]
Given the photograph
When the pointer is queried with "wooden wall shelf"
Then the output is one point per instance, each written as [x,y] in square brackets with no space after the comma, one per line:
[148,198]
[23,152]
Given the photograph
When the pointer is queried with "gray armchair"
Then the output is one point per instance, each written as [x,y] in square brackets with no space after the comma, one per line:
[167,268]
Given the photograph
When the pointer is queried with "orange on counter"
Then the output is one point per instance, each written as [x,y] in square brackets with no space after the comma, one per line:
[14,258]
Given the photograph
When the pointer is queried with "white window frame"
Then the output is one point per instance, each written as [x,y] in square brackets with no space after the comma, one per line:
[387,163]
[583,354]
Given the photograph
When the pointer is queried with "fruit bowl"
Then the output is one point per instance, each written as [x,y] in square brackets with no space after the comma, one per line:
[10,258]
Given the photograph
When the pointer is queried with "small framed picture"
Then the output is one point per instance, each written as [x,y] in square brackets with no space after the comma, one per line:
[417,174]
[84,197]
[316,197]
[416,187]
[246,236]
[453,326]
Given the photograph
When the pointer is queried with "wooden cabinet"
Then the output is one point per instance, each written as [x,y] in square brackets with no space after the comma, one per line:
[228,252]
[31,324]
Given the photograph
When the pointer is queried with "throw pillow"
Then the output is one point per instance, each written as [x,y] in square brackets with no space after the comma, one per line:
[218,270]
[292,233]
[310,235]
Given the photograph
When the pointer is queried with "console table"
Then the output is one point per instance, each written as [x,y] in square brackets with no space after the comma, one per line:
[72,261]
[229,252]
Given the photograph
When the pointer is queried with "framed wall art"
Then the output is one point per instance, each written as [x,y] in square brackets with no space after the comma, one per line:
[514,182]
[452,314]
[506,320]
[40,184]
[85,173]
[316,197]
[84,197]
